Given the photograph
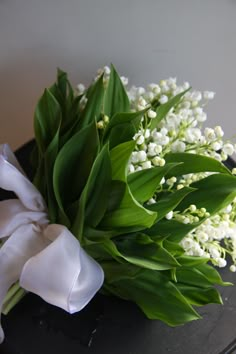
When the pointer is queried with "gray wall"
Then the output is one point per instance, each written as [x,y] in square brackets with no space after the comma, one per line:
[146,40]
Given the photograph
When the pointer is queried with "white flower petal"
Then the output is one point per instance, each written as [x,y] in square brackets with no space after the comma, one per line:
[62,274]
[13,214]
[12,179]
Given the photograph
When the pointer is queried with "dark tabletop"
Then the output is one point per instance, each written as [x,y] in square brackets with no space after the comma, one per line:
[111,326]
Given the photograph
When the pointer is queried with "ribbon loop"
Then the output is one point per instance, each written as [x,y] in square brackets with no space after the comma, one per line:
[12,179]
[47,259]
[62,273]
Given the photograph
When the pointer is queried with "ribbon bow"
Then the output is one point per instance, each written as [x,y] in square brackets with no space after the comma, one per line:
[46,258]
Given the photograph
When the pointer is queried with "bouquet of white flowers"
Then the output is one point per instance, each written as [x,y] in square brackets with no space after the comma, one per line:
[130,196]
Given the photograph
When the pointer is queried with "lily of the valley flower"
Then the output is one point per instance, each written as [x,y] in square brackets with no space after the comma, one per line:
[46,258]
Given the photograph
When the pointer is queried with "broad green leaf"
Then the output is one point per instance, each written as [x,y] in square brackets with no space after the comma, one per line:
[39,179]
[193,163]
[116,195]
[103,251]
[169,202]
[47,119]
[211,274]
[49,160]
[93,106]
[201,275]
[66,99]
[99,185]
[174,248]
[64,84]
[59,89]
[72,123]
[142,251]
[189,261]
[70,106]
[71,168]
[157,297]
[213,193]
[143,184]
[163,109]
[119,160]
[129,214]
[199,296]
[122,127]
[77,228]
[95,235]
[192,276]
[116,271]
[121,134]
[116,99]
[172,229]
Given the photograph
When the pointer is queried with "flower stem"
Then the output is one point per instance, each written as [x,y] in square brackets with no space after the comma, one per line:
[14,295]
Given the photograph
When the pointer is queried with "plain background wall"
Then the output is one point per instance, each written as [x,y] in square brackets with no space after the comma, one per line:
[146,40]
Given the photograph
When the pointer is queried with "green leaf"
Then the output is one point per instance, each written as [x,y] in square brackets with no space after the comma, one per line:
[63,83]
[169,202]
[199,296]
[174,248]
[172,229]
[192,276]
[71,168]
[77,228]
[116,99]
[93,106]
[115,271]
[121,134]
[201,275]
[130,213]
[213,193]
[142,251]
[103,251]
[119,160]
[211,274]
[99,185]
[193,163]
[190,261]
[96,234]
[143,184]
[157,297]
[49,160]
[122,127]
[116,195]
[47,119]
[163,109]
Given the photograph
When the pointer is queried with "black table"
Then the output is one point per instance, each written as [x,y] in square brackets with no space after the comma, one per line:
[111,326]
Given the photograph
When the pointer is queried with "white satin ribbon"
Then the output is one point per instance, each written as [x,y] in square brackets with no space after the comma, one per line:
[47,259]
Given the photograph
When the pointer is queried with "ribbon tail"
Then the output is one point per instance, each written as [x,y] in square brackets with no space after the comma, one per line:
[63,274]
[24,243]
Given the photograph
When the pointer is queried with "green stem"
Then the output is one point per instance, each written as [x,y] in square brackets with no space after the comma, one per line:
[14,295]
[11,292]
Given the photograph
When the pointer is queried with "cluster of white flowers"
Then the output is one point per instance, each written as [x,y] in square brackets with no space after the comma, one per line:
[190,215]
[215,238]
[181,131]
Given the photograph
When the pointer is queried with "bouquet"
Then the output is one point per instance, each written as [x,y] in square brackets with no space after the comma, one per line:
[130,197]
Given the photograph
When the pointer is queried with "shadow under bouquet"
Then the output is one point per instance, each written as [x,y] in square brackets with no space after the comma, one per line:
[130,197]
